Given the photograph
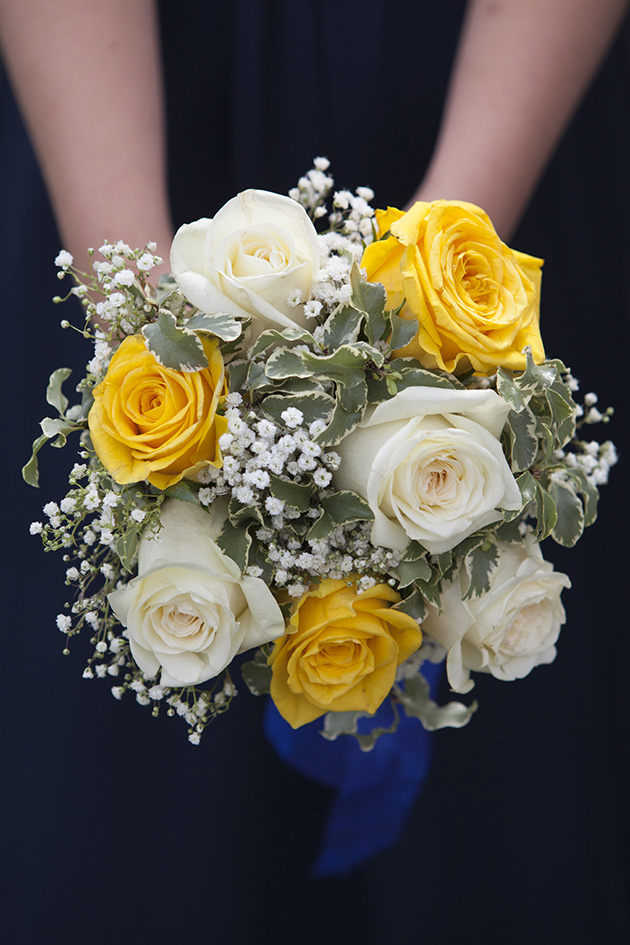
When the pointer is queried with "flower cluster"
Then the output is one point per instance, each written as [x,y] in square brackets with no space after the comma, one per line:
[331,440]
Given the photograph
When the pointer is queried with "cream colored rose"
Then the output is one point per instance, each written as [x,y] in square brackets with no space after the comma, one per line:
[508,630]
[247,261]
[190,610]
[430,465]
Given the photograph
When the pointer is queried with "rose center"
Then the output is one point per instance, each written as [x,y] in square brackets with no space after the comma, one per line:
[526,628]
[478,281]
[436,484]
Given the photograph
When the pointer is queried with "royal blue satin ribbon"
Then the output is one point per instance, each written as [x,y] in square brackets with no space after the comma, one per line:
[375,790]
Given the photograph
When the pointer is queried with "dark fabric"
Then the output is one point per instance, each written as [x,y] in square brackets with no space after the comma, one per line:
[115,827]
[374,791]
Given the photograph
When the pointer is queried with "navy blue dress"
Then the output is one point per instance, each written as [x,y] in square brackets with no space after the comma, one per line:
[116,825]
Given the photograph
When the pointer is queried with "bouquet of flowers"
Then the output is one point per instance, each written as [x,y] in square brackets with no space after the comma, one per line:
[331,440]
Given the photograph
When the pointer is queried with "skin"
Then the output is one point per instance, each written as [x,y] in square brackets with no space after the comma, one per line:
[520,71]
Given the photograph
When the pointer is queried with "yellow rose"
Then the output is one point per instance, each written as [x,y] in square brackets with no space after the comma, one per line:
[341,651]
[476,300]
[152,422]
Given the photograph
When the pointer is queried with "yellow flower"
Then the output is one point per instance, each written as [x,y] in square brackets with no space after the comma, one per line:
[476,300]
[152,422]
[341,651]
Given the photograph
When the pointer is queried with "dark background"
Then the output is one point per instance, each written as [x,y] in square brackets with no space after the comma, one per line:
[115,828]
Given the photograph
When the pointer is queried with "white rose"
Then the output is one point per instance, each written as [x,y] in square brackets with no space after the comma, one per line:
[249,260]
[508,630]
[430,465]
[190,610]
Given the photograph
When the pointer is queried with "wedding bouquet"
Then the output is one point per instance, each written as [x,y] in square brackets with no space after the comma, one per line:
[331,440]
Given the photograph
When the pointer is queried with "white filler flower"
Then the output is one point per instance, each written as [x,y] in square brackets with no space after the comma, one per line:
[250,260]
[508,630]
[190,610]
[431,467]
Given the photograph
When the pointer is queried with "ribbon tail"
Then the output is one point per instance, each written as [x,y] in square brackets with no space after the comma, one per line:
[375,790]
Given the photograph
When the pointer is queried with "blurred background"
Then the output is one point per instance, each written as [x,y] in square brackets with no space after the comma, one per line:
[115,827]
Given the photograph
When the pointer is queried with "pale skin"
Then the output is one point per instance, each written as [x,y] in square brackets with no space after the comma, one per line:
[88,79]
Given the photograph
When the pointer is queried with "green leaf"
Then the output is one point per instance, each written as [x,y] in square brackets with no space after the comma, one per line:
[166,287]
[183,490]
[346,723]
[340,723]
[480,564]
[419,377]
[235,541]
[54,396]
[241,514]
[257,677]
[570,514]
[315,405]
[30,471]
[354,399]
[430,590]
[537,376]
[371,298]
[588,492]
[546,512]
[563,413]
[237,374]
[297,495]
[414,605]
[520,429]
[346,506]
[410,572]
[345,365]
[404,330]
[58,428]
[285,362]
[271,336]
[510,392]
[341,423]
[173,347]
[224,327]
[126,547]
[321,527]
[417,703]
[256,377]
[342,327]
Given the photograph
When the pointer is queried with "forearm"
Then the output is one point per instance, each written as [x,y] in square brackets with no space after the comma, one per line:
[88,79]
[521,68]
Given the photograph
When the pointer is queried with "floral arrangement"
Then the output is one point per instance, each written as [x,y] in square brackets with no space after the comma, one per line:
[330,439]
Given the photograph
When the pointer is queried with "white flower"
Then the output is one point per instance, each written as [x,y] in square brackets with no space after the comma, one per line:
[431,467]
[64,259]
[508,630]
[249,259]
[190,610]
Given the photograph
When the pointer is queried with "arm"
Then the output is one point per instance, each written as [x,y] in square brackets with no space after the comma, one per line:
[520,71]
[88,79]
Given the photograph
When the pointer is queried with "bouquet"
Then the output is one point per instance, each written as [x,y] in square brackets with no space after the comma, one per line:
[329,440]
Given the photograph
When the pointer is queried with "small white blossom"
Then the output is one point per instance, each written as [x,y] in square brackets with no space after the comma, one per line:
[292,417]
[64,259]
[64,622]
[274,506]
[36,528]
[124,277]
[145,263]
[322,477]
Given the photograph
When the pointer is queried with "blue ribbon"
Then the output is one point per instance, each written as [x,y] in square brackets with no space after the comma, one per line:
[375,790]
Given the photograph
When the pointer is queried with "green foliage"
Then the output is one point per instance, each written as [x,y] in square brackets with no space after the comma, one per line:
[418,704]
[173,346]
